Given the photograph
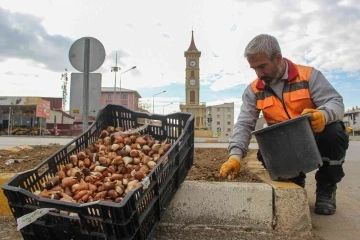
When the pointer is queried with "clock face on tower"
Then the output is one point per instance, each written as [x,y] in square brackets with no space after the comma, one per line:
[192,63]
[192,82]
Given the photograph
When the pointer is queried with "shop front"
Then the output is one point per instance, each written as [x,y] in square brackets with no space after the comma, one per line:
[23,115]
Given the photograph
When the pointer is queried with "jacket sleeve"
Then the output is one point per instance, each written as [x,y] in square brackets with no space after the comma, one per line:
[245,124]
[325,97]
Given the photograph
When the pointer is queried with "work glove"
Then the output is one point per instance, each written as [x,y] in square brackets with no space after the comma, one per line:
[317,119]
[231,167]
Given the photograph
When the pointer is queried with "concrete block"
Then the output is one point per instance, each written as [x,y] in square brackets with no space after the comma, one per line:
[292,213]
[222,203]
[291,206]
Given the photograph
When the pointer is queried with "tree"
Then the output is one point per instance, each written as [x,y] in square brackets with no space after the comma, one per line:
[144,105]
[64,80]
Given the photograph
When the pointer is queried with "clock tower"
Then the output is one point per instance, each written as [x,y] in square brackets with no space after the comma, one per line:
[192,85]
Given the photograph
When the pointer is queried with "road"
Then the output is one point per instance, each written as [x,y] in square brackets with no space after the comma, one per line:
[345,224]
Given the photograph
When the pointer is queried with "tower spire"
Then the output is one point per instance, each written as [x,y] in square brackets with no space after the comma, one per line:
[192,46]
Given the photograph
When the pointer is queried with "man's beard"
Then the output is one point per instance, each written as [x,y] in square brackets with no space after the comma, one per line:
[278,73]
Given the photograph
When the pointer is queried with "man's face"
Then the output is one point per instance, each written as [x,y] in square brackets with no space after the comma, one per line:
[266,69]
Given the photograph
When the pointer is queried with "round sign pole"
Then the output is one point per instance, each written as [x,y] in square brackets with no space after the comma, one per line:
[86,84]
[80,54]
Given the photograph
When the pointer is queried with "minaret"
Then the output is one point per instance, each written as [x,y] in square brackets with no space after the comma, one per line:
[192,85]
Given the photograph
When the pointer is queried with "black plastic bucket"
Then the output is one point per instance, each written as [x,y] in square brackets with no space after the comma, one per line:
[289,148]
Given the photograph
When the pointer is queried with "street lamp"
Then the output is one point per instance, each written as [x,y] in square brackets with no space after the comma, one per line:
[154,98]
[120,80]
[115,69]
[165,106]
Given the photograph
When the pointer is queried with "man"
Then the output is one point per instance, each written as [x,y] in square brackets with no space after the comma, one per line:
[284,90]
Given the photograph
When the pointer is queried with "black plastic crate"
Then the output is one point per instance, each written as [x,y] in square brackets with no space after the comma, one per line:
[137,216]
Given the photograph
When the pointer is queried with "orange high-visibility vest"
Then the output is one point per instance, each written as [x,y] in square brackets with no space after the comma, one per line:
[295,94]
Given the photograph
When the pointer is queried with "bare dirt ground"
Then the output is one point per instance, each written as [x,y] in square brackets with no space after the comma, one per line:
[207,162]
[25,159]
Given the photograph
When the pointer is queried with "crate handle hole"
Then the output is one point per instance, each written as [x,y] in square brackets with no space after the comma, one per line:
[151,122]
[42,170]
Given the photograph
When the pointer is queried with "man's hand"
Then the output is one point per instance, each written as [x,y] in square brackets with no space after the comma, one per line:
[317,119]
[231,166]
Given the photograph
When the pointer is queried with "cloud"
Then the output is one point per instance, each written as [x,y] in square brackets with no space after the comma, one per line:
[234,27]
[164,35]
[328,43]
[129,25]
[27,39]
[319,33]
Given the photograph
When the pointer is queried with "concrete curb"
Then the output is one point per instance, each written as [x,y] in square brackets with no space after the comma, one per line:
[248,205]
[272,207]
[291,207]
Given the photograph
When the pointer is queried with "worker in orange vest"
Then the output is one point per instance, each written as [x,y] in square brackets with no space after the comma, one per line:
[285,90]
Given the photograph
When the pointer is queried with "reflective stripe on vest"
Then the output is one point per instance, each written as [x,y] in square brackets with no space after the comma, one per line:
[296,97]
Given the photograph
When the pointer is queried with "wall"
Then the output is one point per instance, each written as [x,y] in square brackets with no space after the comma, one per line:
[260,123]
[52,117]
[131,101]
[348,118]
[60,118]
[55,103]
[220,113]
[203,133]
[67,120]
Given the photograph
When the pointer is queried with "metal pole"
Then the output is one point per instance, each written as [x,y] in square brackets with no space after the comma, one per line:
[39,126]
[120,88]
[86,84]
[115,69]
[9,122]
[114,89]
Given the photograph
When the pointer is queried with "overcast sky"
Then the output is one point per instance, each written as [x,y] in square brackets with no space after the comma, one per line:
[35,38]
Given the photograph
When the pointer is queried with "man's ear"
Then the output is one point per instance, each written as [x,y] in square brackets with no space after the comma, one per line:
[278,58]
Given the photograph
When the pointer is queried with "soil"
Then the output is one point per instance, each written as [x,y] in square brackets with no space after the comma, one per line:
[207,162]
[25,159]
[206,165]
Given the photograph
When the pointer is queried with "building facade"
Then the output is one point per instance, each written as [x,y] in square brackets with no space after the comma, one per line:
[23,112]
[220,119]
[352,117]
[192,86]
[129,98]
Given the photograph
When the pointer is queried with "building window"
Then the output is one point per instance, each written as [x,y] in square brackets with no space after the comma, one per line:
[109,96]
[229,116]
[218,116]
[124,96]
[218,123]
[192,73]
[229,123]
[192,96]
[218,109]
[229,129]
[229,109]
